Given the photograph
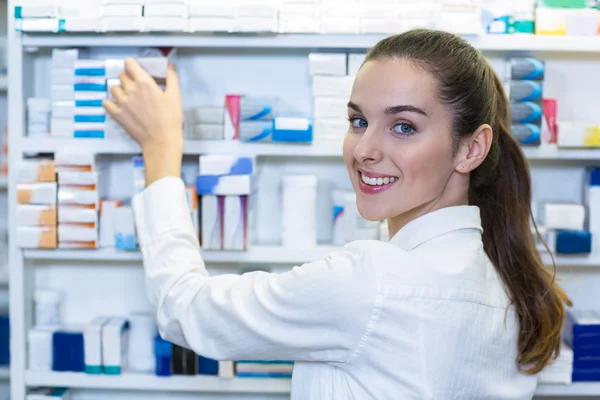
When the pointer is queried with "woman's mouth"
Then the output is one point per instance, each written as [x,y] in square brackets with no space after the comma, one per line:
[373,183]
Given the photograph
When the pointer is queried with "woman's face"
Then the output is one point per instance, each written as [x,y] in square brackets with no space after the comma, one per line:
[398,149]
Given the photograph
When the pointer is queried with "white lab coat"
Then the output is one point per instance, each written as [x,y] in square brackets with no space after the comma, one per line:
[421,317]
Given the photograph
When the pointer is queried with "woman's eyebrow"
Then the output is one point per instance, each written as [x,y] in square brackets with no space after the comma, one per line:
[354,106]
[405,108]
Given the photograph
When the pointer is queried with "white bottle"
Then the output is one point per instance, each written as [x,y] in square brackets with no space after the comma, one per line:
[47,308]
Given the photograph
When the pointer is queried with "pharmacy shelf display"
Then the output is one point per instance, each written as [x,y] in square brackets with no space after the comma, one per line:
[325,149]
[215,385]
[499,43]
[22,261]
[265,255]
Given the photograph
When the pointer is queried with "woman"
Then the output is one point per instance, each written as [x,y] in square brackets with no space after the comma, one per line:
[456,306]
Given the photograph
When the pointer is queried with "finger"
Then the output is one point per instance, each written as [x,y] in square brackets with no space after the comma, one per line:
[111,108]
[135,70]
[118,94]
[126,82]
[172,85]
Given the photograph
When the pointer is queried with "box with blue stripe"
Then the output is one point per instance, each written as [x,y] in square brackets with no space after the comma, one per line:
[221,165]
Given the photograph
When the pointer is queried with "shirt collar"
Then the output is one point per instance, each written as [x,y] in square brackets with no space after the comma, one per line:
[437,223]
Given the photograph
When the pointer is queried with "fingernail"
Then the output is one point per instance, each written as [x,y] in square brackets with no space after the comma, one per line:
[172,66]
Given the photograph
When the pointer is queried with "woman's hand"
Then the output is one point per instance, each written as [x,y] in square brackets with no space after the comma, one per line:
[152,117]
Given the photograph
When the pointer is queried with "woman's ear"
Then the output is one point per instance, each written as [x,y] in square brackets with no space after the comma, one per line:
[476,149]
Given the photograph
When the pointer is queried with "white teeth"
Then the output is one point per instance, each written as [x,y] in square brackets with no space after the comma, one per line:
[377,181]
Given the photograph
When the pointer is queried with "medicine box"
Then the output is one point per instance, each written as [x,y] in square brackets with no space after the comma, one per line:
[211,24]
[115,339]
[211,10]
[124,226]
[205,132]
[43,193]
[68,351]
[578,135]
[333,86]
[36,215]
[72,196]
[564,216]
[218,165]
[122,24]
[206,115]
[292,130]
[235,223]
[93,345]
[77,178]
[212,215]
[81,216]
[165,24]
[234,185]
[107,222]
[39,341]
[331,107]
[327,64]
[29,171]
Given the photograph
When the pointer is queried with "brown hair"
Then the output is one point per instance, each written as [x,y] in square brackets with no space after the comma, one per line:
[500,186]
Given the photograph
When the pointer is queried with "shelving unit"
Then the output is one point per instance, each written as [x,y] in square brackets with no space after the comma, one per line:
[491,43]
[24,262]
[215,385]
[325,149]
[196,384]
[268,255]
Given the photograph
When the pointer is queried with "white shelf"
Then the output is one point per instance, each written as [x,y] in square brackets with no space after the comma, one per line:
[153,383]
[532,43]
[550,152]
[328,149]
[194,147]
[256,255]
[215,385]
[575,389]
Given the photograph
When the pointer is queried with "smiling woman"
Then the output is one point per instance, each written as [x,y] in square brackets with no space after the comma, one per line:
[455,305]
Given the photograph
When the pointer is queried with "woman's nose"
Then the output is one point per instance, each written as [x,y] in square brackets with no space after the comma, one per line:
[368,149]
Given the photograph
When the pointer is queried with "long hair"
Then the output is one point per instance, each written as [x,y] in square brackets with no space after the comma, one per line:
[500,186]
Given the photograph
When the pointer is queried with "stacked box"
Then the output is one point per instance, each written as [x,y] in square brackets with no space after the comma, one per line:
[525,89]
[78,88]
[122,16]
[255,16]
[565,230]
[298,18]
[36,204]
[38,116]
[225,185]
[211,16]
[78,199]
[165,16]
[566,17]
[582,334]
[299,211]
[332,87]
[205,123]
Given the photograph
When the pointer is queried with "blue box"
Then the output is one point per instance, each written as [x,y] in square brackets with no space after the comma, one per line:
[67,350]
[207,366]
[573,242]
[292,130]
[163,352]
[586,375]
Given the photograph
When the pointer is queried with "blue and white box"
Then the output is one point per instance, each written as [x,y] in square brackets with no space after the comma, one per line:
[220,165]
[292,130]
[212,222]
[92,336]
[115,345]
[233,185]
[124,225]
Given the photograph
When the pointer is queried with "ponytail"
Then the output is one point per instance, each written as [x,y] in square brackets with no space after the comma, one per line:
[500,186]
[505,203]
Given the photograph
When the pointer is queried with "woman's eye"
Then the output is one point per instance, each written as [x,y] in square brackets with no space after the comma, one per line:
[404,128]
[358,123]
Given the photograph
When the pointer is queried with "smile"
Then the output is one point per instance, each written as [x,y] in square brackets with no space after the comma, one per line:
[372,183]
